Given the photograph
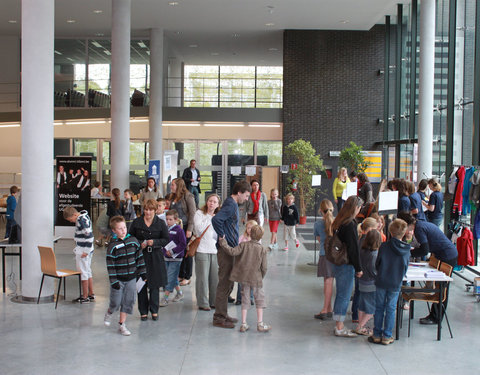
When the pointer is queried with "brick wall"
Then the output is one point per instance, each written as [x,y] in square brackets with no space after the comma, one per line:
[332,93]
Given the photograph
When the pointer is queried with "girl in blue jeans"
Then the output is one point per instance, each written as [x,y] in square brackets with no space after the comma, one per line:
[344,274]
[173,252]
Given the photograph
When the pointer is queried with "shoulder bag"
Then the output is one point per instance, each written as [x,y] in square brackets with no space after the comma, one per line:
[194,242]
[336,250]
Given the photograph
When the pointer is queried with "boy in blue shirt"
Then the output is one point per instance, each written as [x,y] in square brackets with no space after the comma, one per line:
[11,206]
[391,265]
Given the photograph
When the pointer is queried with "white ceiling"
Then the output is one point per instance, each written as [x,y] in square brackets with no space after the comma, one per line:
[225,31]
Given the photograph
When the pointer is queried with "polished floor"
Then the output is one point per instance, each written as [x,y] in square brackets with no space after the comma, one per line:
[37,339]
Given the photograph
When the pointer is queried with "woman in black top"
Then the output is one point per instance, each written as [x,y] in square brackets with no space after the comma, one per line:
[365,190]
[115,206]
[344,275]
[152,233]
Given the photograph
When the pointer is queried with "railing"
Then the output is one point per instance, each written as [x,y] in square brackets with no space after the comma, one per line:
[234,92]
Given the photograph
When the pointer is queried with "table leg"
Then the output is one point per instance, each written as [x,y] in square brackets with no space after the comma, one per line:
[20,262]
[3,268]
[397,321]
[440,311]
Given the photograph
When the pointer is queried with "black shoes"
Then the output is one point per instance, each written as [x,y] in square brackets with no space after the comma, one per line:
[428,320]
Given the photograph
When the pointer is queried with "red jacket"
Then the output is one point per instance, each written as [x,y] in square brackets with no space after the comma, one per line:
[458,198]
[465,248]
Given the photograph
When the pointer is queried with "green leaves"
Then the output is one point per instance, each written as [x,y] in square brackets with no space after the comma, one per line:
[352,158]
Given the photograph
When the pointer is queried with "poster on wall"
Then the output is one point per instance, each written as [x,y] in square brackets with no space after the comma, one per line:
[170,161]
[72,185]
[154,169]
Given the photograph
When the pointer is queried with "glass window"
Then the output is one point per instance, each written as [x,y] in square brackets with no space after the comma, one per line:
[87,147]
[272,150]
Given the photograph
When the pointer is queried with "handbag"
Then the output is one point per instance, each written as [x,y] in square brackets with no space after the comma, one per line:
[194,242]
[336,250]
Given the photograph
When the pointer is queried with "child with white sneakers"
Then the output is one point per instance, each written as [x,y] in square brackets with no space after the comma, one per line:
[274,216]
[124,265]
[290,219]
[249,269]
[173,253]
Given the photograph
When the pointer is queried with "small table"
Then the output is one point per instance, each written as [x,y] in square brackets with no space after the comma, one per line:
[415,273]
[4,246]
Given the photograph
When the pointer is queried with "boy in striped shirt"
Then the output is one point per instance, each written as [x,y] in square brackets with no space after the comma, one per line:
[83,250]
[124,265]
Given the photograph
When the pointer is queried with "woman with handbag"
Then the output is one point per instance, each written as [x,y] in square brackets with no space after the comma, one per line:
[206,265]
[184,203]
[346,228]
[152,234]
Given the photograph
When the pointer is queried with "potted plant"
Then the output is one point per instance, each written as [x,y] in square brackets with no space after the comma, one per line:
[308,163]
[352,158]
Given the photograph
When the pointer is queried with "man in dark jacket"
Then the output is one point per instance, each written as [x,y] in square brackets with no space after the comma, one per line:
[191,176]
[225,223]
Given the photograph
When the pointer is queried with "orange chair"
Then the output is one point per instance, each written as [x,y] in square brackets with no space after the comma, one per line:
[49,268]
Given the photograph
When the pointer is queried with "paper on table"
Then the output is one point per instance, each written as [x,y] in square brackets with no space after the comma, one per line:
[418,264]
[140,284]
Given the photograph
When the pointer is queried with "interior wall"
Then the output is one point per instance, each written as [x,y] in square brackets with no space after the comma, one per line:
[332,91]
[9,73]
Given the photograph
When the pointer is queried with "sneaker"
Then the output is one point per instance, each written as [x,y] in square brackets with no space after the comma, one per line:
[244,327]
[285,248]
[91,298]
[124,330]
[271,246]
[344,332]
[163,302]
[262,327]
[275,246]
[297,243]
[178,297]
[98,242]
[81,300]
[374,339]
[387,340]
[107,320]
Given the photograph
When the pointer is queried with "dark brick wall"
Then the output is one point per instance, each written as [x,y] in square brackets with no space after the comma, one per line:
[332,93]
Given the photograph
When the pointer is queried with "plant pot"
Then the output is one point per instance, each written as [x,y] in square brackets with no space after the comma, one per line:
[303,220]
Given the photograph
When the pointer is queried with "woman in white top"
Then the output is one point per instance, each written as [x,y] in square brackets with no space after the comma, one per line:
[206,265]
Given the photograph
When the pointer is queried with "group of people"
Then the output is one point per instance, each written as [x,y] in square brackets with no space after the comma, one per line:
[376,266]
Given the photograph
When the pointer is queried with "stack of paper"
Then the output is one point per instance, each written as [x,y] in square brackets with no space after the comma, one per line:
[434,274]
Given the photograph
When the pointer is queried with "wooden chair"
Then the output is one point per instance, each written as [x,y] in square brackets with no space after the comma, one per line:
[434,262]
[49,268]
[447,269]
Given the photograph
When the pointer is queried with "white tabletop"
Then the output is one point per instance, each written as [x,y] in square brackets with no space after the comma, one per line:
[416,272]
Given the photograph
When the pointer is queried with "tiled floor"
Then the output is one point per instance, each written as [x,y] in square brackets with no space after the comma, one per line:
[37,339]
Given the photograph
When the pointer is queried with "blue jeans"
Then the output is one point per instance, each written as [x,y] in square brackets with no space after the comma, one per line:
[173,268]
[8,228]
[438,221]
[344,276]
[196,194]
[385,306]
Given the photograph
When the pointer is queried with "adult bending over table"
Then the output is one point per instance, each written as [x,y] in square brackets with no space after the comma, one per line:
[433,240]
[206,265]
[152,233]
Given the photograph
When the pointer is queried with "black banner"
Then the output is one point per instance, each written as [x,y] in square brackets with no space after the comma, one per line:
[72,185]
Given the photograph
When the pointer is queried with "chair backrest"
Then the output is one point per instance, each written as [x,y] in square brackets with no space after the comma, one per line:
[446,268]
[434,262]
[48,261]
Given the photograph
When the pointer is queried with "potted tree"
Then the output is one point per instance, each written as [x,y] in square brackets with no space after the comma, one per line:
[352,158]
[308,163]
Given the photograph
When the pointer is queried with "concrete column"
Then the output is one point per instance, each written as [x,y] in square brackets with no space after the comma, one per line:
[426,87]
[121,11]
[156,93]
[175,82]
[38,21]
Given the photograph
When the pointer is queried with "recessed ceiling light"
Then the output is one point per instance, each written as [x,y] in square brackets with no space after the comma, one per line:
[173,3]
[96,44]
[69,59]
[193,45]
[344,21]
[177,32]
[99,34]
[235,35]
[270,24]
[12,21]
[57,52]
[106,52]
[98,11]
[273,49]
[71,21]
[141,44]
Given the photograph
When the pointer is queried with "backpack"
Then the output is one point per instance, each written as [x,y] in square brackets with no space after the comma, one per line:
[336,250]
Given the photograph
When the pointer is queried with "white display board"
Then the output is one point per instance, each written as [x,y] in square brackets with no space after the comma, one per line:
[388,202]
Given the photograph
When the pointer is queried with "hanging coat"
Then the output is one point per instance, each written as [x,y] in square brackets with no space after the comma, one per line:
[465,248]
